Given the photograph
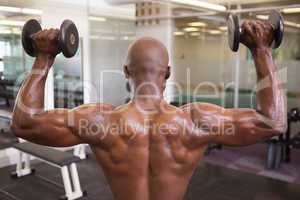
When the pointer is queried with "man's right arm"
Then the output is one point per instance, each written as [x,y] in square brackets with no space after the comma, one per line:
[64,127]
[57,127]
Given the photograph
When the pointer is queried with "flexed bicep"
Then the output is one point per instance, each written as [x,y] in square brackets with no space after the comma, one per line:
[48,128]
[62,127]
[234,127]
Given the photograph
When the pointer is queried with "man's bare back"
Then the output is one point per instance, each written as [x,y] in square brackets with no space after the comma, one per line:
[145,156]
[147,148]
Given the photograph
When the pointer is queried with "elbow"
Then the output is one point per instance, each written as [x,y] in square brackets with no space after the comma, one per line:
[20,123]
[279,127]
[17,130]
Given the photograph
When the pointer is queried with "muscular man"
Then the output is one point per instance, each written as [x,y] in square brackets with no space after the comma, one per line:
[147,148]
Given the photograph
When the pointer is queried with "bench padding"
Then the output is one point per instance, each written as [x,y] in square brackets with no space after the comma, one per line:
[7,140]
[51,155]
[5,115]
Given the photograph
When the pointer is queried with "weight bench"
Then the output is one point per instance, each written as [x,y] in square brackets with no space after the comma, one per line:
[65,161]
[7,140]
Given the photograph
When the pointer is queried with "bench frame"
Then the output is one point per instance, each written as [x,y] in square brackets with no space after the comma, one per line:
[80,151]
[69,175]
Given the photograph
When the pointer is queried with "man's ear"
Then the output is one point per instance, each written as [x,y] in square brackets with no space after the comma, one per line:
[126,71]
[168,73]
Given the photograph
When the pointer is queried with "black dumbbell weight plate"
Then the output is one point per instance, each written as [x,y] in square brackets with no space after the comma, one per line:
[233,32]
[32,26]
[276,20]
[68,38]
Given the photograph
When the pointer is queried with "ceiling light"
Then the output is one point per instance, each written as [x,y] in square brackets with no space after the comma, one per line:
[214,32]
[191,29]
[16,31]
[223,28]
[108,38]
[178,33]
[195,34]
[98,19]
[10,9]
[293,24]
[201,4]
[94,37]
[12,23]
[31,11]
[5,31]
[262,17]
[128,38]
[197,24]
[291,10]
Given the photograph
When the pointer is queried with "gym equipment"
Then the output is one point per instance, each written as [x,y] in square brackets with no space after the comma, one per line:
[68,38]
[235,32]
[7,139]
[274,154]
[65,161]
[294,115]
[290,142]
[296,141]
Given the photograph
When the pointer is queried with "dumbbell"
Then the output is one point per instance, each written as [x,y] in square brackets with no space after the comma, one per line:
[235,32]
[294,115]
[68,39]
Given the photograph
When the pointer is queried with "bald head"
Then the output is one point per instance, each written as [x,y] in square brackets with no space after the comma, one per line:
[147,49]
[147,62]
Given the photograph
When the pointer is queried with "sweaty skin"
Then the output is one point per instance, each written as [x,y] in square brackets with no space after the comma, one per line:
[147,148]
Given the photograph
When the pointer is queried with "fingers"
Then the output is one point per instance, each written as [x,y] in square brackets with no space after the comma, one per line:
[51,34]
[258,28]
[247,27]
[261,23]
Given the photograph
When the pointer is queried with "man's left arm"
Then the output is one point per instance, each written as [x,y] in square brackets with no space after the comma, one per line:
[239,127]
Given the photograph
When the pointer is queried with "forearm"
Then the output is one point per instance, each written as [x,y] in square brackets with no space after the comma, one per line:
[30,99]
[270,96]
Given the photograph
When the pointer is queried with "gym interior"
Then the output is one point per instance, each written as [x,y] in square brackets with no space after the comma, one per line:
[203,69]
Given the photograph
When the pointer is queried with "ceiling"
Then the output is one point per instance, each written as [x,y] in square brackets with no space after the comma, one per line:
[242,1]
[183,14]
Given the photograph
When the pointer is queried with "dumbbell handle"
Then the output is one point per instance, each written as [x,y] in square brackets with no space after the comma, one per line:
[68,38]
[59,47]
[242,30]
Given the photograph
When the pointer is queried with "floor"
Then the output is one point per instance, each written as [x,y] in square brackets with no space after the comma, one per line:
[252,159]
[209,182]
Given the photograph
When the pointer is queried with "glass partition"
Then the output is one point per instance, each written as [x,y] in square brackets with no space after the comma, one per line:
[203,64]
[204,67]
[287,60]
[13,64]
[110,38]
[68,80]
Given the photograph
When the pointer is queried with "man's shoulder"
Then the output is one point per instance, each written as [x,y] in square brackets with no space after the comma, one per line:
[199,106]
[92,109]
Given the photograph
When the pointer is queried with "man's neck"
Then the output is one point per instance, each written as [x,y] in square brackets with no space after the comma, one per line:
[148,103]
